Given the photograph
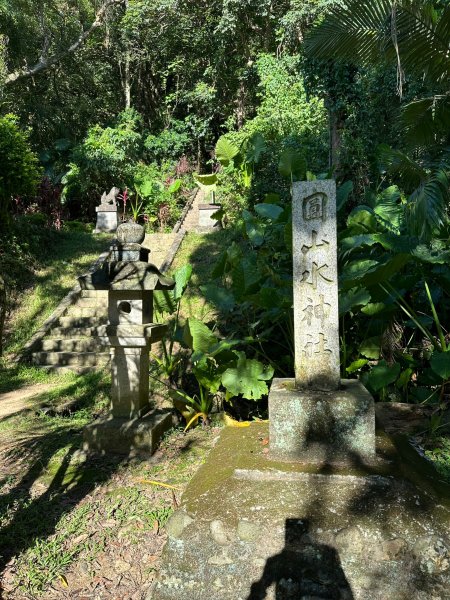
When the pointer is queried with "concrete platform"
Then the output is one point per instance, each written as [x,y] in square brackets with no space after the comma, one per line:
[252,528]
[125,436]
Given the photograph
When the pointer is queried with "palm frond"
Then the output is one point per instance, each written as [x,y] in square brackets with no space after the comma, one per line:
[427,205]
[358,31]
[408,32]
[411,174]
[427,119]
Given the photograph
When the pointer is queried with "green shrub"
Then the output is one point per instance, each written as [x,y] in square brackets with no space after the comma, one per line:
[107,157]
[20,173]
[171,143]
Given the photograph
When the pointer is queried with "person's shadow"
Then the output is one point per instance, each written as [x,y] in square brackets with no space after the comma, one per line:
[304,568]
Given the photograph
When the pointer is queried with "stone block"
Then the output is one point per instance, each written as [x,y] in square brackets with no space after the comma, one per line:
[125,436]
[205,212]
[130,385]
[107,221]
[321,427]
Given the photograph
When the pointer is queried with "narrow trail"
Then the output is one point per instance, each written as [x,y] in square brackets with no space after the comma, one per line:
[18,400]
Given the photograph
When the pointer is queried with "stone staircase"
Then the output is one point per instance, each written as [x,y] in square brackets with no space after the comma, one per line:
[72,342]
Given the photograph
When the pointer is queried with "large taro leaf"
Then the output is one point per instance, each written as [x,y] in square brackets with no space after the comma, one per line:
[351,298]
[225,151]
[268,211]
[220,297]
[254,229]
[164,301]
[382,375]
[198,336]
[440,363]
[370,348]
[248,378]
[207,374]
[206,180]
[292,164]
[255,148]
[362,219]
[182,277]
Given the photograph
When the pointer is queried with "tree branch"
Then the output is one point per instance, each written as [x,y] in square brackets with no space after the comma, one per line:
[47,61]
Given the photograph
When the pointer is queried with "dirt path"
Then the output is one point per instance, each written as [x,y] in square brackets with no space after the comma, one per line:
[13,402]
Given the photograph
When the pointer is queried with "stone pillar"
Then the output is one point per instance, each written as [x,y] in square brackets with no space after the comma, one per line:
[130,388]
[107,216]
[316,417]
[316,320]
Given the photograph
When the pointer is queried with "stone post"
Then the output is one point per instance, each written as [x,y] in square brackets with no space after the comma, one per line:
[316,322]
[317,417]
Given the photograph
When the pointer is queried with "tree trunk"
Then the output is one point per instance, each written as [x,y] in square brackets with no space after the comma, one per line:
[336,125]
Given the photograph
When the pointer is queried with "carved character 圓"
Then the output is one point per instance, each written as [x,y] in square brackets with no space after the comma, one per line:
[314,206]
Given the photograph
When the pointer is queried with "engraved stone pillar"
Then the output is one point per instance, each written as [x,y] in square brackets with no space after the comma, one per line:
[316,319]
[316,417]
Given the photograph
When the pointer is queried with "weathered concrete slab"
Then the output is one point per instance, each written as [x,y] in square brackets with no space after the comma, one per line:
[127,436]
[252,528]
[316,426]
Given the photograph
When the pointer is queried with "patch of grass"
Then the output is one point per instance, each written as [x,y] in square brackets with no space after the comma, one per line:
[440,455]
[17,376]
[66,259]
[202,252]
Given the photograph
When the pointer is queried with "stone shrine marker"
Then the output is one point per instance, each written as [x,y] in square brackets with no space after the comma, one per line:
[317,417]
[316,316]
[107,216]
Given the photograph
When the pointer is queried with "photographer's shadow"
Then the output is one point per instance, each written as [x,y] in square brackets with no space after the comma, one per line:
[304,568]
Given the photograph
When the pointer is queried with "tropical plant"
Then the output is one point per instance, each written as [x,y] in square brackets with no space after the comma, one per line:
[20,172]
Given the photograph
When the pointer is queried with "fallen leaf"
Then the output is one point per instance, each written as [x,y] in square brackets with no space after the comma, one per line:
[265,441]
[156,527]
[63,581]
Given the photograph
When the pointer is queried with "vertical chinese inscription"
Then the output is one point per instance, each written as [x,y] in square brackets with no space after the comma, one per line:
[316,320]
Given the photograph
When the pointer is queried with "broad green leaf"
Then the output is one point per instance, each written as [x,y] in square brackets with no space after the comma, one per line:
[383,374]
[404,377]
[174,187]
[220,297]
[271,198]
[370,348]
[342,194]
[440,363]
[292,164]
[362,218]
[357,269]
[225,151]
[353,297]
[164,301]
[206,180]
[268,211]
[356,365]
[198,336]
[207,374]
[255,148]
[182,277]
[387,270]
[253,228]
[373,308]
[248,378]
[145,188]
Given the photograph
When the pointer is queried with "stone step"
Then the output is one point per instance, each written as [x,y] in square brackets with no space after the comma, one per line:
[70,369]
[72,332]
[92,302]
[94,294]
[80,321]
[77,359]
[77,311]
[88,344]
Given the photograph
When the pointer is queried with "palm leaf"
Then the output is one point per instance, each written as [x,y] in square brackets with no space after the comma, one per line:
[427,118]
[426,208]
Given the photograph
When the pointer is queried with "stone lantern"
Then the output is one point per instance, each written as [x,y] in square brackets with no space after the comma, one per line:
[130,281]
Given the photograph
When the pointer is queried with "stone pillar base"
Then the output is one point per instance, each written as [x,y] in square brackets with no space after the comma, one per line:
[124,436]
[321,427]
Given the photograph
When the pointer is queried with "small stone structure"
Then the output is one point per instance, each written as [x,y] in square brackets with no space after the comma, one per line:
[316,417]
[205,212]
[107,216]
[130,427]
